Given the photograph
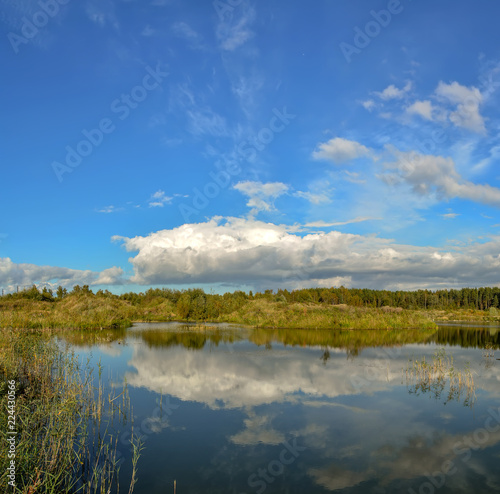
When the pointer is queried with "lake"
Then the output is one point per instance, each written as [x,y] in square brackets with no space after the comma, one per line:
[233,410]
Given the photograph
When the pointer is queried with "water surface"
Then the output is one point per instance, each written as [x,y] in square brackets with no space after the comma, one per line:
[233,410]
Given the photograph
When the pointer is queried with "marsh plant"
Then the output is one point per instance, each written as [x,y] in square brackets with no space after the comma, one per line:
[64,440]
[440,378]
[488,351]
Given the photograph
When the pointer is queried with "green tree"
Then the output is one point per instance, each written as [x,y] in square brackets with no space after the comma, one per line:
[61,292]
[184,306]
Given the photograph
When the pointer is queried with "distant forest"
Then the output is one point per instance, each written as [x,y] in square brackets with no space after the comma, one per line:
[195,299]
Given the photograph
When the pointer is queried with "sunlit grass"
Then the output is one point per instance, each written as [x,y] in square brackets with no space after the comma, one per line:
[93,312]
[266,314]
[62,415]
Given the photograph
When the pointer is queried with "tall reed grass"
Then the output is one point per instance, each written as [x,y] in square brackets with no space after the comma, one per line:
[441,378]
[64,442]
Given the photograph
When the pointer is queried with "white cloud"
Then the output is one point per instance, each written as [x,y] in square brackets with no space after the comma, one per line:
[467,101]
[148,31]
[243,380]
[258,430]
[235,33]
[326,224]
[392,92]
[354,177]
[339,150]
[185,31]
[368,104]
[102,12]
[422,108]
[450,216]
[261,195]
[110,276]
[24,274]
[109,209]
[428,174]
[206,122]
[250,252]
[314,198]
[159,199]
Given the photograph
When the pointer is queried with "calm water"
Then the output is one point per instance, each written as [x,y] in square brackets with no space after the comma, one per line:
[294,411]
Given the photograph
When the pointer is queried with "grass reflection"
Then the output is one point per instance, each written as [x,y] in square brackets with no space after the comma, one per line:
[441,378]
[196,337]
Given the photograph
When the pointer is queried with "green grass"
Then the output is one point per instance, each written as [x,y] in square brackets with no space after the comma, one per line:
[443,315]
[262,313]
[88,311]
[62,443]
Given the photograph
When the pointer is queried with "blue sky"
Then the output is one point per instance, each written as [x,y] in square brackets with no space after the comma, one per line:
[253,145]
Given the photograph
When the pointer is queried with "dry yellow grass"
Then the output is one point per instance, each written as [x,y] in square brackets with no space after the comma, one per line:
[440,377]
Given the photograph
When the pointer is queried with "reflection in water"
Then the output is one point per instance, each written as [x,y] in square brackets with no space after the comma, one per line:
[441,378]
[353,341]
[90,338]
[194,337]
[469,337]
[242,394]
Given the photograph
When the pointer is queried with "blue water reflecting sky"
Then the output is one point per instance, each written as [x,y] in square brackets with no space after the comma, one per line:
[238,415]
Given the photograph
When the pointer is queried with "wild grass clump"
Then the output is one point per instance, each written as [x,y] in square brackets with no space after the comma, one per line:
[439,377]
[262,313]
[83,312]
[62,443]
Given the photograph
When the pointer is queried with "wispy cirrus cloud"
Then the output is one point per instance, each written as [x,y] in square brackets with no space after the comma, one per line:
[313,197]
[329,224]
[450,216]
[102,13]
[234,32]
[109,209]
[185,31]
[159,199]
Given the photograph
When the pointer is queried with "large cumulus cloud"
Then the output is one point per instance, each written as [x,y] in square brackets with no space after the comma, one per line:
[246,251]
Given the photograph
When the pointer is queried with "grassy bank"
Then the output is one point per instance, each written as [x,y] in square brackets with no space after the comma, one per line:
[489,315]
[262,313]
[82,312]
[89,311]
[58,412]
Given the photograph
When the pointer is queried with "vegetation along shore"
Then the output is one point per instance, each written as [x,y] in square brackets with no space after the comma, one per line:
[340,308]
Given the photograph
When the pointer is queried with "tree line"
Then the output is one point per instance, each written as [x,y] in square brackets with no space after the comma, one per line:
[195,302]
